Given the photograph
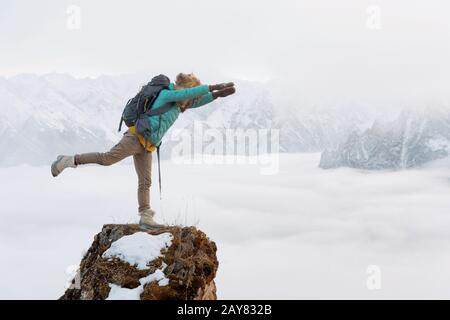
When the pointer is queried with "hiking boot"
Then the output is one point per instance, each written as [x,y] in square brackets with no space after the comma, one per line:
[146,222]
[61,163]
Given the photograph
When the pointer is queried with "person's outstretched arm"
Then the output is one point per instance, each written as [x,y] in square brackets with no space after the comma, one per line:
[205,99]
[184,94]
[190,93]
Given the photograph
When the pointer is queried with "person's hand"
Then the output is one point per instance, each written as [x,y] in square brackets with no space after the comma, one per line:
[224,92]
[220,86]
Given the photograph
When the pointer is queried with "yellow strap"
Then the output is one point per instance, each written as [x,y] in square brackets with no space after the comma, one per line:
[145,143]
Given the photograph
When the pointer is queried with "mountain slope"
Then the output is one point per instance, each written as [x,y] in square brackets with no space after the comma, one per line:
[413,139]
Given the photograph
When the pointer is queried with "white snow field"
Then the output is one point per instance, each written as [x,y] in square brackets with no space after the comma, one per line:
[304,232]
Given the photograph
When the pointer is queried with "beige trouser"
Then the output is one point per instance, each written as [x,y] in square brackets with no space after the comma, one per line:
[127,146]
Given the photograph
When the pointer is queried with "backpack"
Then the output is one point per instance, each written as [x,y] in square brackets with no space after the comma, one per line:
[139,108]
[142,103]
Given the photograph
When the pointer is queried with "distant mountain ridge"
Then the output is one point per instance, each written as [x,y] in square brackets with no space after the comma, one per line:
[43,116]
[411,140]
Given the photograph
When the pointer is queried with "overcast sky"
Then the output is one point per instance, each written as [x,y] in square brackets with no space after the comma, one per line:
[397,48]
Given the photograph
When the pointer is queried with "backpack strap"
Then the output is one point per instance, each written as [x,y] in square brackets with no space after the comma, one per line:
[139,108]
[159,170]
[120,123]
[153,112]
[121,118]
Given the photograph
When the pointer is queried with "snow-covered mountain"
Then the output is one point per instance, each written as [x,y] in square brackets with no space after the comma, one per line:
[414,138]
[46,115]
[43,116]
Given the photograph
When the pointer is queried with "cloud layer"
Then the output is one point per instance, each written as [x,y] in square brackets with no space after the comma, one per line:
[303,233]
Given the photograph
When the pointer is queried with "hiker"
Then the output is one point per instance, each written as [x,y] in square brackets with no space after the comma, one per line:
[148,116]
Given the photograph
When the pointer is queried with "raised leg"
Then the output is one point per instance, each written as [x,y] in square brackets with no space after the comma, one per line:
[127,146]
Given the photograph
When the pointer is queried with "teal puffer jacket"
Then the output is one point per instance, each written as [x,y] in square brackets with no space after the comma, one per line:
[161,123]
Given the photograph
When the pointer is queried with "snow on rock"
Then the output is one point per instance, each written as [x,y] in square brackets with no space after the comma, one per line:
[126,263]
[139,248]
[119,293]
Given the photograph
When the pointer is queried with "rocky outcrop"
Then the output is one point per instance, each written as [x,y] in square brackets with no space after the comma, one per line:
[124,262]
